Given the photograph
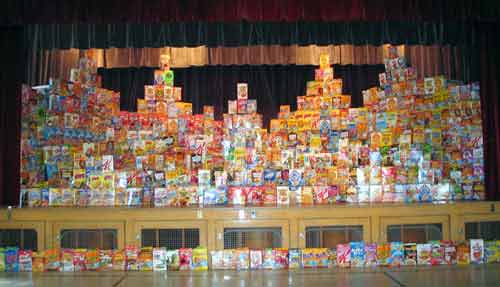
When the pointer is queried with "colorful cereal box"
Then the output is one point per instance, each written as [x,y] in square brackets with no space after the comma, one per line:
[358,254]
[12,259]
[92,260]
[410,254]
[38,261]
[79,260]
[370,254]
[463,253]
[397,254]
[255,259]
[173,260]
[476,251]
[294,258]
[450,253]
[145,259]
[185,258]
[344,255]
[105,260]
[52,260]
[67,260]
[268,259]
[309,258]
[25,261]
[383,254]
[216,257]
[119,260]
[424,254]
[200,258]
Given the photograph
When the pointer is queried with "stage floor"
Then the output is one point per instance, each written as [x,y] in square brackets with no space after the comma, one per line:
[486,275]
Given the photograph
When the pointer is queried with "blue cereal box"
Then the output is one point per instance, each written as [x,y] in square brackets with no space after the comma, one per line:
[358,254]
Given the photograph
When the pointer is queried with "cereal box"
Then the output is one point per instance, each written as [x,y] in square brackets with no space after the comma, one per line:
[476,251]
[463,253]
[79,259]
[217,261]
[67,260]
[25,261]
[92,260]
[309,259]
[268,259]
[105,260]
[370,254]
[410,250]
[145,259]
[255,259]
[294,258]
[383,254]
[173,260]
[12,259]
[343,255]
[185,259]
[397,254]
[450,253]
[119,260]
[200,258]
[52,260]
[358,254]
[424,254]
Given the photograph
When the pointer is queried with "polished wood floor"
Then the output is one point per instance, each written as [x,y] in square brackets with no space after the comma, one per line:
[486,275]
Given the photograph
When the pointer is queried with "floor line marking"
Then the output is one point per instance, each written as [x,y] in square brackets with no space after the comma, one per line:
[117,283]
[393,279]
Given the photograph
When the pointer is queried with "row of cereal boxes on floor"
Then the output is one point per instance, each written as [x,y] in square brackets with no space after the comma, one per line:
[353,254]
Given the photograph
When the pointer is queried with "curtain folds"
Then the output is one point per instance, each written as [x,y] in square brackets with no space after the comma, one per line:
[489,66]
[433,60]
[231,34]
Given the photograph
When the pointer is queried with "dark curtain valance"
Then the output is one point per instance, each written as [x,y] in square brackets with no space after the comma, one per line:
[158,11]
[82,36]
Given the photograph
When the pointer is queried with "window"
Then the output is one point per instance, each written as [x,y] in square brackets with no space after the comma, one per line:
[174,238]
[89,238]
[330,236]
[414,233]
[252,237]
[487,230]
[22,238]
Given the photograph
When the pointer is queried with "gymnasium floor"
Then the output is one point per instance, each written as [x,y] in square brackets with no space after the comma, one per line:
[487,275]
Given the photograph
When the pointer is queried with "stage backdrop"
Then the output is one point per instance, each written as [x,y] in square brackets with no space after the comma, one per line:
[271,85]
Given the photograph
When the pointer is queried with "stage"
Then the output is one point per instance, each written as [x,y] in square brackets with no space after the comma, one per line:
[374,221]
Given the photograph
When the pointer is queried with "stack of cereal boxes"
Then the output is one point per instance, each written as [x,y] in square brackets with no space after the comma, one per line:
[414,140]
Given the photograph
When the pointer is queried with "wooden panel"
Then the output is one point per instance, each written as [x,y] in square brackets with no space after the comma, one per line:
[167,224]
[211,221]
[427,219]
[363,221]
[222,224]
[57,226]
[38,226]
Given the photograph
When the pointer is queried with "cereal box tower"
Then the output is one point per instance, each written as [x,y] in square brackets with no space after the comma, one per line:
[66,129]
[305,141]
[244,148]
[164,144]
[425,136]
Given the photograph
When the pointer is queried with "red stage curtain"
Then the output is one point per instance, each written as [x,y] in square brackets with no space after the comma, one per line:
[156,11]
[490,100]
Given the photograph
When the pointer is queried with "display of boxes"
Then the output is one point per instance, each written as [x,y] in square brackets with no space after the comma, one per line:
[412,141]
